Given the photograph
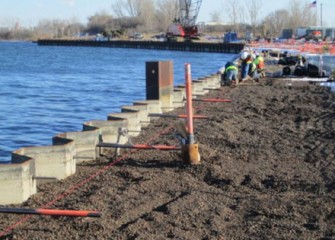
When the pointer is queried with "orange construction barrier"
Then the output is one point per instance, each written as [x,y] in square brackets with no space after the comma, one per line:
[332,50]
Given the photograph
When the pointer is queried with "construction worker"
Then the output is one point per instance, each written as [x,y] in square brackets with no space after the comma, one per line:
[253,73]
[259,61]
[246,60]
[230,74]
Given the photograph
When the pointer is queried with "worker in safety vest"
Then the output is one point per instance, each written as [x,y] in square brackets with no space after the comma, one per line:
[259,61]
[246,60]
[230,74]
[253,73]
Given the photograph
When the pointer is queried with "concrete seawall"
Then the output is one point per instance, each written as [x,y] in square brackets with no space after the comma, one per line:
[32,165]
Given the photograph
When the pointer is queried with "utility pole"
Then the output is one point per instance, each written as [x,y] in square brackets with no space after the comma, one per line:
[321,14]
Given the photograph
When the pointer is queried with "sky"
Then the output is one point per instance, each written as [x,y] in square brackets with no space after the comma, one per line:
[29,12]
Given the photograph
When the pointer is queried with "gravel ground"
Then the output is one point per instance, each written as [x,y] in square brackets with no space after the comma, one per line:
[267,172]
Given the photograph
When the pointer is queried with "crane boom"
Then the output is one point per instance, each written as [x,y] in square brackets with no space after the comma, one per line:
[189,10]
[185,23]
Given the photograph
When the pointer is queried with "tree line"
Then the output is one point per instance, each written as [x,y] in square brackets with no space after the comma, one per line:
[152,16]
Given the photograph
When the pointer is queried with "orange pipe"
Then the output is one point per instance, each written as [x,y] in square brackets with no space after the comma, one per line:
[189,110]
[194,116]
[69,213]
[140,146]
[176,116]
[52,212]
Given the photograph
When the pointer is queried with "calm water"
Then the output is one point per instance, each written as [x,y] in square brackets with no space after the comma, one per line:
[48,90]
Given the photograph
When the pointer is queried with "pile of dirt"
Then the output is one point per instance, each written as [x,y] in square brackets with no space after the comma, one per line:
[267,172]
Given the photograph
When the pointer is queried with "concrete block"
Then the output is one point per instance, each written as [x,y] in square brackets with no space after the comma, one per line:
[210,82]
[133,121]
[52,161]
[198,88]
[179,95]
[215,80]
[84,144]
[142,110]
[17,181]
[204,85]
[154,106]
[108,130]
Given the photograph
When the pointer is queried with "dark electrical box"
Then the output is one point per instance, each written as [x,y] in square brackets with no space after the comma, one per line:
[159,79]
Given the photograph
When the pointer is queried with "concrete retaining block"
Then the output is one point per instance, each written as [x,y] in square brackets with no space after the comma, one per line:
[204,83]
[109,130]
[84,143]
[142,110]
[52,161]
[133,121]
[216,80]
[17,181]
[179,94]
[211,82]
[154,106]
[198,88]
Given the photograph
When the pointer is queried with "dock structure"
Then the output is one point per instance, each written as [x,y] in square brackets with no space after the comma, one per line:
[232,48]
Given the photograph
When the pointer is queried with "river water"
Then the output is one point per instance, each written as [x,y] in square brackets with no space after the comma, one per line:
[46,90]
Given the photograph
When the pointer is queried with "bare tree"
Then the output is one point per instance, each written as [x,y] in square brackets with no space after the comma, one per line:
[235,12]
[301,14]
[216,16]
[51,28]
[276,21]
[166,12]
[73,28]
[119,9]
[99,22]
[141,9]
[309,15]
[254,8]
[131,8]
[147,14]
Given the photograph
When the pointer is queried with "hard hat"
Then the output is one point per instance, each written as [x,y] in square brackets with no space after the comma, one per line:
[244,55]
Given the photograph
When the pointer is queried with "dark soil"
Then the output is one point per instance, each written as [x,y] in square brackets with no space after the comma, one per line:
[267,172]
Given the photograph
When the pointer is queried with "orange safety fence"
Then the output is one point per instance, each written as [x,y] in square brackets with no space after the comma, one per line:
[332,50]
[303,47]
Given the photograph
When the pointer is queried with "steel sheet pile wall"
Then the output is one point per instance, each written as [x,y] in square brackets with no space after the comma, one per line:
[233,48]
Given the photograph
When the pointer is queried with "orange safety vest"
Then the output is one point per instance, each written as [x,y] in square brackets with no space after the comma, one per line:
[259,61]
